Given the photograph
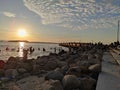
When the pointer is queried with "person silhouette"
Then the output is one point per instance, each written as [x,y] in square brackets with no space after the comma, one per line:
[25,54]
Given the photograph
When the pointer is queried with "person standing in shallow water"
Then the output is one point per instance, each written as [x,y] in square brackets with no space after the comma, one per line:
[25,54]
[44,50]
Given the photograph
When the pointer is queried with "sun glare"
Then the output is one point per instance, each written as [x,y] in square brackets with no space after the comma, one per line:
[22,33]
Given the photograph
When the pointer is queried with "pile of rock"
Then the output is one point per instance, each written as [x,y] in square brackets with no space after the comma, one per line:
[76,70]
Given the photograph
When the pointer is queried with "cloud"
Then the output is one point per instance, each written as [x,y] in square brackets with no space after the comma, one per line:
[9,14]
[76,14]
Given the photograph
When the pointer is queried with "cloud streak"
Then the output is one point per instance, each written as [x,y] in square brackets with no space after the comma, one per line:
[9,14]
[76,14]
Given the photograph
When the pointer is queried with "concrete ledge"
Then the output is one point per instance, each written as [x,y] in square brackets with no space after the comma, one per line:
[109,78]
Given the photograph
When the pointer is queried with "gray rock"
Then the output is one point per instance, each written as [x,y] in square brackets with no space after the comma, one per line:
[4,79]
[88,83]
[74,71]
[27,66]
[29,83]
[21,70]
[55,75]
[61,63]
[64,69]
[70,82]
[14,87]
[94,61]
[11,63]
[50,85]
[12,73]
[51,65]
[91,56]
[95,68]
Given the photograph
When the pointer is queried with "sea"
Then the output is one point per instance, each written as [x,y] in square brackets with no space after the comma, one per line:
[8,49]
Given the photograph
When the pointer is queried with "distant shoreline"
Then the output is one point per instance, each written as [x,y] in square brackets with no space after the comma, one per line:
[27,41]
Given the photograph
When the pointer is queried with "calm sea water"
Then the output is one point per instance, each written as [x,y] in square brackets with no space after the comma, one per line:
[14,46]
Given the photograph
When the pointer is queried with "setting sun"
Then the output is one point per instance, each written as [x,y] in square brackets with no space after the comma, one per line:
[22,32]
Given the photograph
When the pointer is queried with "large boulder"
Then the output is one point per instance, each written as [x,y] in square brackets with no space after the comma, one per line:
[61,63]
[74,71]
[45,63]
[78,70]
[27,66]
[11,73]
[14,87]
[50,85]
[29,83]
[88,83]
[21,70]
[42,60]
[70,82]
[55,75]
[2,64]
[12,63]
[50,65]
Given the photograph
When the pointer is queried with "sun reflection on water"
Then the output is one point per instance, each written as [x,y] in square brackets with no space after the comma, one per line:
[21,47]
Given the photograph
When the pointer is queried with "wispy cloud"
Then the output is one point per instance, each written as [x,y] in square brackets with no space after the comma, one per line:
[76,14]
[9,14]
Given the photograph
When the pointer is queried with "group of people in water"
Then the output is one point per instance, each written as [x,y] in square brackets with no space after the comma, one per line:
[30,49]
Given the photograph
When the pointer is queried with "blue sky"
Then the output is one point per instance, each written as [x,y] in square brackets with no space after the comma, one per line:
[60,20]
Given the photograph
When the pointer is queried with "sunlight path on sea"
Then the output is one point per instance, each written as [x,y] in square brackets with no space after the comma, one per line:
[21,47]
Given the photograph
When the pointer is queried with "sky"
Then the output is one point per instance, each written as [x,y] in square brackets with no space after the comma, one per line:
[60,20]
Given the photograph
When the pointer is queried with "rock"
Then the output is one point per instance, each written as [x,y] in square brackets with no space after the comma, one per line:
[29,83]
[21,70]
[64,69]
[55,75]
[10,59]
[61,63]
[70,82]
[95,68]
[42,60]
[15,87]
[24,75]
[51,65]
[27,66]
[4,79]
[50,85]
[11,63]
[36,68]
[2,64]
[84,57]
[91,56]
[88,83]
[78,70]
[11,73]
[2,72]
[94,61]
[74,71]
[58,69]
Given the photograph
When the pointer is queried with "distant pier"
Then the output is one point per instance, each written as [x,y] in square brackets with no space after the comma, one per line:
[74,44]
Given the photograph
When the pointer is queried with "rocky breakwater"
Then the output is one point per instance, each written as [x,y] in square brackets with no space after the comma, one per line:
[77,70]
